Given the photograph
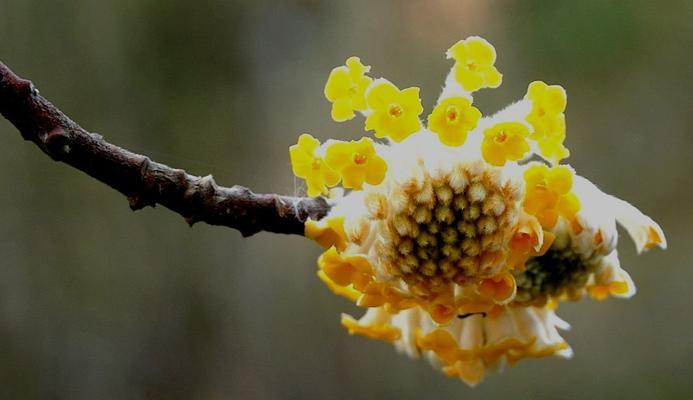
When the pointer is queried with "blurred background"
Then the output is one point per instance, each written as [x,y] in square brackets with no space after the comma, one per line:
[98,302]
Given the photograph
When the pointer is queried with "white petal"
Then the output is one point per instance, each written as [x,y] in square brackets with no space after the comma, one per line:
[642,229]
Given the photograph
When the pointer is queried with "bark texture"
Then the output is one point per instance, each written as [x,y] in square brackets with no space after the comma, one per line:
[145,182]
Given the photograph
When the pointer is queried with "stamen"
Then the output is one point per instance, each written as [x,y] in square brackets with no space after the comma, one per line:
[555,273]
[446,228]
[452,114]
[360,159]
[500,137]
[394,110]
[316,164]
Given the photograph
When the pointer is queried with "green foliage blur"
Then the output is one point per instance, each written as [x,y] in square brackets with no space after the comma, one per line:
[97,302]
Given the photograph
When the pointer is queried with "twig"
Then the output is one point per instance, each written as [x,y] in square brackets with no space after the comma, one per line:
[145,182]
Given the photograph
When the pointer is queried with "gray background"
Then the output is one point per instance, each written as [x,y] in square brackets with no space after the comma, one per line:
[97,302]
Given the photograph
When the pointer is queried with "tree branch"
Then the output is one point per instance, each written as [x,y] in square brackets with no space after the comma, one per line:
[143,181]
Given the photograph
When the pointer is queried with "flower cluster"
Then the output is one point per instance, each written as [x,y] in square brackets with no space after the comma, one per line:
[458,245]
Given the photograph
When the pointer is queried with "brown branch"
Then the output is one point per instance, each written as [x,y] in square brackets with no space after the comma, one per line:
[145,182]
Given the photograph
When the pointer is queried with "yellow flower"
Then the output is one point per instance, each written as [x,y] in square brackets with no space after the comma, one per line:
[548,194]
[500,288]
[474,68]
[327,232]
[305,164]
[346,88]
[553,150]
[548,101]
[357,162]
[395,112]
[452,119]
[345,270]
[505,141]
[378,332]
[547,119]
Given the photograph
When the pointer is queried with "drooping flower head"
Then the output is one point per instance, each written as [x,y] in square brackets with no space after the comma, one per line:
[459,246]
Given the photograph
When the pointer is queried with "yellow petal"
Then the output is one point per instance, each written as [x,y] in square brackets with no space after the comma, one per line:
[334,266]
[302,155]
[517,147]
[560,179]
[308,143]
[555,99]
[301,162]
[342,110]
[492,154]
[375,173]
[458,51]
[337,85]
[338,155]
[315,186]
[535,174]
[469,80]
[356,68]
[327,232]
[330,176]
[410,101]
[481,51]
[535,90]
[380,332]
[364,146]
[353,177]
[381,94]
[344,291]
[553,150]
[359,98]
[471,117]
[491,76]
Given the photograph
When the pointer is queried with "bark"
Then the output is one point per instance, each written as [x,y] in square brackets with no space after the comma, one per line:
[145,182]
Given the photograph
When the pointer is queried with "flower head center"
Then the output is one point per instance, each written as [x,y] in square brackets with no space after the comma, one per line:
[394,110]
[450,229]
[452,114]
[360,158]
[541,185]
[316,164]
[556,273]
[471,66]
[501,137]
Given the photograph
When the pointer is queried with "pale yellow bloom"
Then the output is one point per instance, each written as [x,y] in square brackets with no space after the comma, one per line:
[452,119]
[311,167]
[548,194]
[346,87]
[394,113]
[474,58]
[357,162]
[505,141]
[547,119]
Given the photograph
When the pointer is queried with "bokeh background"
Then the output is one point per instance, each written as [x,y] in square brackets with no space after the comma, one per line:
[98,302]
